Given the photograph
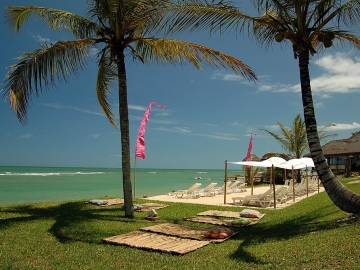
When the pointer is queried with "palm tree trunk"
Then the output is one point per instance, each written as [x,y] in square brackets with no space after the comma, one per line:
[342,197]
[125,136]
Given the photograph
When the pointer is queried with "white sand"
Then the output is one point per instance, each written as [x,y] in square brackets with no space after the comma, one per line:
[221,200]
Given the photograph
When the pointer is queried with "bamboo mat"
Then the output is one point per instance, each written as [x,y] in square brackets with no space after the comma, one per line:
[216,221]
[183,232]
[104,203]
[228,214]
[149,206]
[114,201]
[158,242]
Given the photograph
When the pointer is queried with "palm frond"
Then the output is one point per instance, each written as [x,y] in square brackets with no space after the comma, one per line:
[192,15]
[105,81]
[42,68]
[175,51]
[17,16]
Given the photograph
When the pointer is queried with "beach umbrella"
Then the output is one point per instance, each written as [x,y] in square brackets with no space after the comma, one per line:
[268,163]
[296,164]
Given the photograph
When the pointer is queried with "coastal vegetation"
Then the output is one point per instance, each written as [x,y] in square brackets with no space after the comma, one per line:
[117,32]
[293,138]
[310,234]
[307,27]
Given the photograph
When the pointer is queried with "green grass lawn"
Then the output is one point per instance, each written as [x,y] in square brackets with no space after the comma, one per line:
[67,235]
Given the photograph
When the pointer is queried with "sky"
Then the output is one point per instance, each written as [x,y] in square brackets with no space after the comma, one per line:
[210,114]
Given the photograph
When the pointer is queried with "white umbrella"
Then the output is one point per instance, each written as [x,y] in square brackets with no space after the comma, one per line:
[295,164]
[270,162]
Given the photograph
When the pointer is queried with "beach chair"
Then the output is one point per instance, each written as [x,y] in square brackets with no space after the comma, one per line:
[239,188]
[206,192]
[220,190]
[264,200]
[187,193]
[280,194]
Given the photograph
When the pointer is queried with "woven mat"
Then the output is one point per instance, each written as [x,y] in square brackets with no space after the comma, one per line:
[158,242]
[114,201]
[215,221]
[108,202]
[148,206]
[182,231]
[228,214]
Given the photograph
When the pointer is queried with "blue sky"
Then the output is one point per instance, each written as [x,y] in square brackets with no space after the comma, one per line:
[209,116]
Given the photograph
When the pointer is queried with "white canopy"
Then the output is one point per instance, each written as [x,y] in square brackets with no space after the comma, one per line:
[296,163]
[273,161]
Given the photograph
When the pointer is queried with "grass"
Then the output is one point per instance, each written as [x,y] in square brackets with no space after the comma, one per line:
[67,235]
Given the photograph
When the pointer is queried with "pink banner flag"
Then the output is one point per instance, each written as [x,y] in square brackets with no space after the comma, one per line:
[140,141]
[248,156]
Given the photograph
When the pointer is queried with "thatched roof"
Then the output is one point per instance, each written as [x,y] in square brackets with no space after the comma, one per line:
[275,154]
[345,147]
[253,158]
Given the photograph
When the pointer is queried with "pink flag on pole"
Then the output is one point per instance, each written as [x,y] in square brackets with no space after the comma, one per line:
[248,156]
[140,141]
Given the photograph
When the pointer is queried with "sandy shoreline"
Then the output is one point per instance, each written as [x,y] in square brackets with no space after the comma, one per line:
[218,200]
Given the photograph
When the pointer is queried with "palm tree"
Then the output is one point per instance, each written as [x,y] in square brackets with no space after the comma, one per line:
[118,29]
[312,26]
[293,138]
[309,26]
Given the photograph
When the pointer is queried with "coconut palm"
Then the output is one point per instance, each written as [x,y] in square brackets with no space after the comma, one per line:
[309,27]
[293,139]
[118,30]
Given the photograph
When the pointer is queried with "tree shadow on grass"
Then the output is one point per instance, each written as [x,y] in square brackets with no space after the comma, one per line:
[71,221]
[301,224]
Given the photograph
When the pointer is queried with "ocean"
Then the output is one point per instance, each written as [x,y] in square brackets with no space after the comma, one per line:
[52,184]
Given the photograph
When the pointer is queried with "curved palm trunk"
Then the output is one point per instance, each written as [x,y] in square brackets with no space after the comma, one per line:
[342,197]
[125,136]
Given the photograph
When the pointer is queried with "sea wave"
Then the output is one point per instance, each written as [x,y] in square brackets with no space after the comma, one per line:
[48,173]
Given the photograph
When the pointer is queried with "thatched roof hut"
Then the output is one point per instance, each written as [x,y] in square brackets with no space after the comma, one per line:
[253,158]
[343,155]
[275,154]
[345,147]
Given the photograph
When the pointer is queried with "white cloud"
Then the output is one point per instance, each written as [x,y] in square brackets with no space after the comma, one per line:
[26,136]
[272,127]
[187,131]
[137,108]
[342,126]
[226,77]
[340,74]
[39,38]
[59,106]
[236,124]
[319,105]
[220,136]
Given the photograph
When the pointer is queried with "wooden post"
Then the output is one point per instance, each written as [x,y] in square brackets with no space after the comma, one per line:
[307,182]
[225,182]
[293,182]
[273,179]
[134,177]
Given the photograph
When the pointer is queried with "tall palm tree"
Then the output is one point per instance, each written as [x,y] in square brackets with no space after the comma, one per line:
[293,138]
[309,27]
[118,29]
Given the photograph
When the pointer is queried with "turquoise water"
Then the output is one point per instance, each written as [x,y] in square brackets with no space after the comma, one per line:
[44,184]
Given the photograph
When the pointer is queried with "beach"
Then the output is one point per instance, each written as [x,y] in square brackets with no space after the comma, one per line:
[221,200]
[20,184]
[44,184]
